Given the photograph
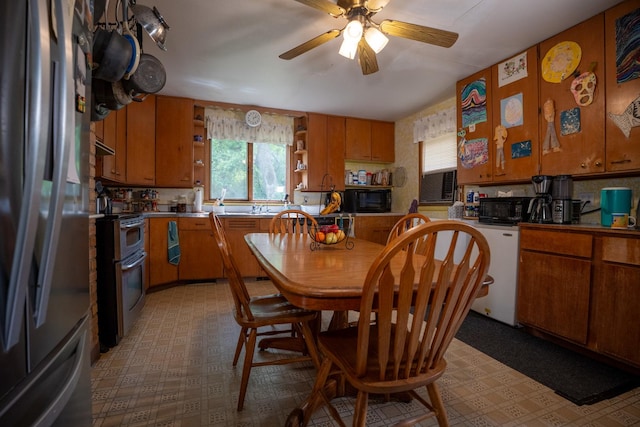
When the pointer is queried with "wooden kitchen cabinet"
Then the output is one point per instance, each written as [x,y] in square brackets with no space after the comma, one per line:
[554,282]
[141,142]
[324,158]
[161,271]
[375,228]
[522,144]
[582,152]
[174,146]
[235,230]
[617,298]
[622,151]
[113,167]
[369,140]
[200,257]
[583,287]
[382,141]
[476,166]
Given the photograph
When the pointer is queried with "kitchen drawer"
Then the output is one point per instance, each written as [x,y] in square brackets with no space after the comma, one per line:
[557,242]
[621,250]
[194,224]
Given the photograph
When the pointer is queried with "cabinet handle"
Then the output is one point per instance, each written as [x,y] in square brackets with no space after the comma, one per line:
[583,165]
[617,162]
[507,234]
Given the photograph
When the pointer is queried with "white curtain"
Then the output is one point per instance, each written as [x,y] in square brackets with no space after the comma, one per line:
[435,125]
[230,125]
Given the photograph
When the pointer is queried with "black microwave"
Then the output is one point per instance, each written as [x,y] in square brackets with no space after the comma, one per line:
[504,210]
[367,200]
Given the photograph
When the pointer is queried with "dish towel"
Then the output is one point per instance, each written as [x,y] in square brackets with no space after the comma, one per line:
[173,244]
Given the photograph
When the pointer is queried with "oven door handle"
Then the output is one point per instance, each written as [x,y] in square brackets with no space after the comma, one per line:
[135,263]
[132,224]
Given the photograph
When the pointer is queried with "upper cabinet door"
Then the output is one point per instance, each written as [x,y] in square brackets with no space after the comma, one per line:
[174,146]
[358,139]
[578,144]
[623,142]
[382,141]
[141,142]
[515,108]
[475,118]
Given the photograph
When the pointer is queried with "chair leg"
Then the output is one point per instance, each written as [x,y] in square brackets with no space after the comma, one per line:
[436,402]
[249,349]
[309,338]
[241,338]
[360,413]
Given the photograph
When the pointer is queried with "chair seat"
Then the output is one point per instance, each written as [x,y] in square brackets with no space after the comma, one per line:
[274,309]
[340,346]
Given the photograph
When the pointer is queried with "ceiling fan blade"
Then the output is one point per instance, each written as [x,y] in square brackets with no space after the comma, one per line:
[419,33]
[376,5]
[308,45]
[367,58]
[325,6]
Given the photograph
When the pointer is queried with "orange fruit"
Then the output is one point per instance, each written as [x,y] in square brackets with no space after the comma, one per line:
[320,236]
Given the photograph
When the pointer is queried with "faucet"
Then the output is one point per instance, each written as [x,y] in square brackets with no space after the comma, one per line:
[286,201]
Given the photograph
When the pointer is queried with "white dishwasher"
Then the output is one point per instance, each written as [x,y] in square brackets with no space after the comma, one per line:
[500,303]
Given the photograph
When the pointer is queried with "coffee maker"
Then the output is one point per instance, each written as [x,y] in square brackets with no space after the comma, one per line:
[540,207]
[562,204]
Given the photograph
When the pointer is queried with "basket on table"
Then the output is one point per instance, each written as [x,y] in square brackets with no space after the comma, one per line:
[329,235]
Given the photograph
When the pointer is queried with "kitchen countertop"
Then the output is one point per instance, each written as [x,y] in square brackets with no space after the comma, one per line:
[597,228]
[248,214]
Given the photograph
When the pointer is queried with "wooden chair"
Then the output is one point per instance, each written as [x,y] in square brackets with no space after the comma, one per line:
[252,313]
[291,221]
[405,223]
[402,355]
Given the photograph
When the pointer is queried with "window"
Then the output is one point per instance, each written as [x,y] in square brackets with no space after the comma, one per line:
[438,154]
[250,162]
[249,171]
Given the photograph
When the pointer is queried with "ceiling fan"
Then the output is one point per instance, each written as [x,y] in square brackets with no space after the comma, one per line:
[364,37]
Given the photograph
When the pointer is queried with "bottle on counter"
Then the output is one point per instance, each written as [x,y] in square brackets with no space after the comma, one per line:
[198,191]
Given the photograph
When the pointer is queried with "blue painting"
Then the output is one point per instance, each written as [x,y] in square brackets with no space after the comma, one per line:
[628,47]
[570,121]
[521,149]
[474,103]
[511,111]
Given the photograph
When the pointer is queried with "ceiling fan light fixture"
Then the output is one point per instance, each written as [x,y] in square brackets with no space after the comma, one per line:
[348,48]
[353,31]
[375,39]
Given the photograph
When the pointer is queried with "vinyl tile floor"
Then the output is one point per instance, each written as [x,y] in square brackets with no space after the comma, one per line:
[174,369]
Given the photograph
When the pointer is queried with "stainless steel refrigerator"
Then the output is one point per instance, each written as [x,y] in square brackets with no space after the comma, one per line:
[44,212]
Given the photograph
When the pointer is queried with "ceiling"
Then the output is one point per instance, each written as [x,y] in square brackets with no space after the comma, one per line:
[227,51]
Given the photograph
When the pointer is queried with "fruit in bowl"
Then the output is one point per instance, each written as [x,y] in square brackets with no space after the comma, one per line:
[328,234]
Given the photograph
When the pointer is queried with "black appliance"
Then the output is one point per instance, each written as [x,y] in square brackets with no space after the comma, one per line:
[503,210]
[44,213]
[121,270]
[437,188]
[540,207]
[367,200]
[562,203]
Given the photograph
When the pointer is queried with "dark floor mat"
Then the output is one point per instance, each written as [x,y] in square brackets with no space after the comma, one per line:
[578,378]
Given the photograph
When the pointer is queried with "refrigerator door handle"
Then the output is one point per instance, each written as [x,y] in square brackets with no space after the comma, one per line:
[35,153]
[52,412]
[64,133]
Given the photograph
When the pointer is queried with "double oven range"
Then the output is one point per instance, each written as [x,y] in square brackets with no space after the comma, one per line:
[120,260]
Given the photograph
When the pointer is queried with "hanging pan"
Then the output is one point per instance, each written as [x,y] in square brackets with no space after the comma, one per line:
[150,76]
[111,53]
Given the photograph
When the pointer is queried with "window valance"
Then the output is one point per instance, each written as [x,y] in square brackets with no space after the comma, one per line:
[435,125]
[230,125]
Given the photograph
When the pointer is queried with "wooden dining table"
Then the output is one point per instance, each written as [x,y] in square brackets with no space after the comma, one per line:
[330,277]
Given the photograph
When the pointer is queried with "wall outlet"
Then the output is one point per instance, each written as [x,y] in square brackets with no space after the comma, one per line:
[590,197]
